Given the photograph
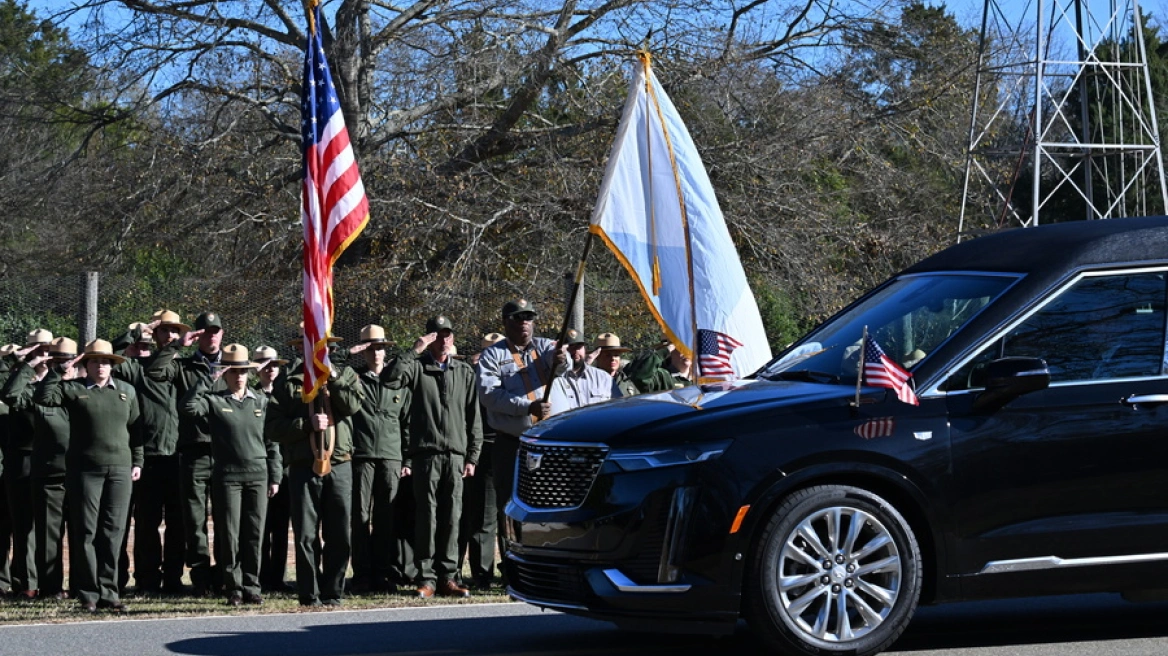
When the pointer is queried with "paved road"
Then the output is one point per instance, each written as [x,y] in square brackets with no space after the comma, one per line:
[1095,625]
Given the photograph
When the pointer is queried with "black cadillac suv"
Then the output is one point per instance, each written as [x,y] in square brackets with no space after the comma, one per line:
[824,511]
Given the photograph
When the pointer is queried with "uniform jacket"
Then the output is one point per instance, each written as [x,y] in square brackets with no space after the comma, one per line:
[510,379]
[50,436]
[444,408]
[288,417]
[648,373]
[380,426]
[103,421]
[241,452]
[576,388]
[158,402]
[185,374]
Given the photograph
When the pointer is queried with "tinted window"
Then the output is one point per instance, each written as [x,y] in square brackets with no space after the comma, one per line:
[1101,327]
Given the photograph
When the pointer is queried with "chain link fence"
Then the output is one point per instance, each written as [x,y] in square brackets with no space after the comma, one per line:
[267,311]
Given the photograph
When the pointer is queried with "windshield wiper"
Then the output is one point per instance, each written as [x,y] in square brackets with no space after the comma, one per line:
[805,375]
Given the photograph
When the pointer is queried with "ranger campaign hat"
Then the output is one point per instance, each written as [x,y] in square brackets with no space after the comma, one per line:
[208,320]
[235,356]
[8,349]
[266,355]
[168,319]
[609,342]
[39,336]
[99,348]
[440,322]
[62,348]
[373,334]
[520,306]
[490,339]
[573,336]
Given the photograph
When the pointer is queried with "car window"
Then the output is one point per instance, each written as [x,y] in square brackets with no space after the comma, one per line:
[1102,327]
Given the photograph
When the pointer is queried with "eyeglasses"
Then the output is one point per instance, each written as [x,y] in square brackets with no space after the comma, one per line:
[522,317]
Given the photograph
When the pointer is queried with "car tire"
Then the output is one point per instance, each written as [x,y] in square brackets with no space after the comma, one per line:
[836,571]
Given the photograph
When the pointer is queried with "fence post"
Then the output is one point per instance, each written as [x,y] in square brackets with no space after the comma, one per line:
[87,317]
[577,310]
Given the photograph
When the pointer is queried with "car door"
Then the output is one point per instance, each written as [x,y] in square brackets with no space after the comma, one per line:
[1078,470]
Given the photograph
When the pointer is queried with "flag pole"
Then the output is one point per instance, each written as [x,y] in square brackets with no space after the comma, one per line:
[860,365]
[579,282]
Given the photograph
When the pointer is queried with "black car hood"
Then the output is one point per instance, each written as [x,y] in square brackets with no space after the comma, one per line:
[665,414]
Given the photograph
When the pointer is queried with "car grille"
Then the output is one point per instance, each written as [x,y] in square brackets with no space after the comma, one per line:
[547,582]
[557,475]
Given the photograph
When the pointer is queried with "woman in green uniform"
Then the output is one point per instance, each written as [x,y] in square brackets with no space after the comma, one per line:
[104,457]
[246,473]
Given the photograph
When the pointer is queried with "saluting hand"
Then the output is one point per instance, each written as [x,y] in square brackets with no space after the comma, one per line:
[191,336]
[357,348]
[24,352]
[592,356]
[217,373]
[424,342]
[74,362]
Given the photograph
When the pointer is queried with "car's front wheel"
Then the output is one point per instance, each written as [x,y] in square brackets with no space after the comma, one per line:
[837,570]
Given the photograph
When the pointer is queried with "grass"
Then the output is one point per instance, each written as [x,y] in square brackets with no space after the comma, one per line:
[52,611]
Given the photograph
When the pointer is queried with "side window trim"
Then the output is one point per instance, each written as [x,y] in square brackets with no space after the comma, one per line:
[933,391]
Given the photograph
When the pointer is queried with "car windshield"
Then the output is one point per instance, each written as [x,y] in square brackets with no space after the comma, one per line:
[908,318]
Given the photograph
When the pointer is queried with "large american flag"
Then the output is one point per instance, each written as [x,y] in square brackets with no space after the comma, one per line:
[714,350]
[333,203]
[881,371]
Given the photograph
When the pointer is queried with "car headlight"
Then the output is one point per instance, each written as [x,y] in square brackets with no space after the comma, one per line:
[641,459]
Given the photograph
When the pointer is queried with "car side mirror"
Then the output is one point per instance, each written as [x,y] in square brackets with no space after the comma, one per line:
[1008,378]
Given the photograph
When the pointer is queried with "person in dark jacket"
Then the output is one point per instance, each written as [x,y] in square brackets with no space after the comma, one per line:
[378,447]
[445,439]
[322,504]
[247,470]
[7,362]
[157,500]
[277,526]
[104,458]
[194,438]
[650,372]
[18,478]
[50,442]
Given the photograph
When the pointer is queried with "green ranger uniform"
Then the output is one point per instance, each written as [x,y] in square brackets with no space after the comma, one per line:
[158,501]
[622,385]
[50,442]
[318,501]
[103,447]
[6,363]
[648,373]
[445,433]
[18,488]
[245,465]
[194,447]
[378,446]
[478,528]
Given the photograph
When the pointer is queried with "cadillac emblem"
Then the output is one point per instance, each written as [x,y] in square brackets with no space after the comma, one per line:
[533,461]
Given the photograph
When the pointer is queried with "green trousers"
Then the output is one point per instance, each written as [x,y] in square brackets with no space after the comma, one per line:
[375,485]
[99,503]
[158,557]
[438,497]
[49,507]
[479,523]
[197,464]
[18,487]
[325,502]
[239,509]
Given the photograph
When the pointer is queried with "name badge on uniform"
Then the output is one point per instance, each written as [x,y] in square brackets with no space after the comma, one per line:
[82,396]
[228,410]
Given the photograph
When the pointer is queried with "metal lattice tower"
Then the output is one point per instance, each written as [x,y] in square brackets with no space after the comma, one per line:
[1063,125]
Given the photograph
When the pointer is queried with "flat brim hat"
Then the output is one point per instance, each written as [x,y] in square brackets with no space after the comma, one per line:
[373,334]
[8,349]
[299,339]
[440,322]
[266,355]
[39,336]
[490,339]
[609,342]
[573,336]
[519,306]
[99,348]
[168,319]
[235,356]
[62,348]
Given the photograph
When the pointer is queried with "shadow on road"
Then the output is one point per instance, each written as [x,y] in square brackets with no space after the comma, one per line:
[980,624]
